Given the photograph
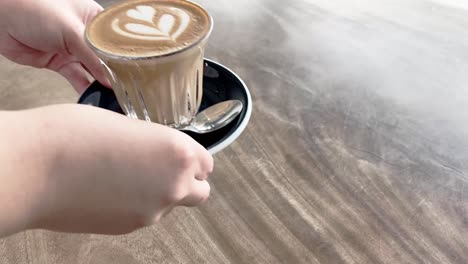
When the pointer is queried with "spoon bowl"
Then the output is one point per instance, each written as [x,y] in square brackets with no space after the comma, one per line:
[215,117]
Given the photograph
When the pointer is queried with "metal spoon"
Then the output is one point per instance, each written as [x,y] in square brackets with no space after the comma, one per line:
[215,117]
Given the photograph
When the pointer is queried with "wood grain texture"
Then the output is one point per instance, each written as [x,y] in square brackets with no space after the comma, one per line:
[357,150]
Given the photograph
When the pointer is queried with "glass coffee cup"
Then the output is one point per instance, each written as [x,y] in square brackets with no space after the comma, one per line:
[152,51]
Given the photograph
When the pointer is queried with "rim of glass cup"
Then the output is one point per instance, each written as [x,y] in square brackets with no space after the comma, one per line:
[121,57]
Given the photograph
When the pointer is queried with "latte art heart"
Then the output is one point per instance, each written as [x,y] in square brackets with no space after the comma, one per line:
[147,25]
[145,13]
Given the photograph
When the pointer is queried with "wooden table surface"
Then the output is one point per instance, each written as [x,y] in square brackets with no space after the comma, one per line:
[357,150]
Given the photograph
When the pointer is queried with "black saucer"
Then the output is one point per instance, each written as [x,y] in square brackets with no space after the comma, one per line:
[219,84]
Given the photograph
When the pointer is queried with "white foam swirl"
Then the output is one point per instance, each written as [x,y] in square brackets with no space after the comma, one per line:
[151,30]
[145,13]
[184,21]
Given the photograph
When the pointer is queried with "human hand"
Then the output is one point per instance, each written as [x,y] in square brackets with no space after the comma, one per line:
[50,34]
[108,174]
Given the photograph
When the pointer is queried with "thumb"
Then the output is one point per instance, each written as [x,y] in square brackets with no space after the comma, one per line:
[78,48]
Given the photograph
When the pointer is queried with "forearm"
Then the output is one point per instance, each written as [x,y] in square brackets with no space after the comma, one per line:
[25,161]
[76,168]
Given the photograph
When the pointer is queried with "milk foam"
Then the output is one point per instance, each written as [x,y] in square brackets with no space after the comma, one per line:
[147,28]
[143,26]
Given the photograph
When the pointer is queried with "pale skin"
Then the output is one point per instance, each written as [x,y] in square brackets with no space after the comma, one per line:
[75,168]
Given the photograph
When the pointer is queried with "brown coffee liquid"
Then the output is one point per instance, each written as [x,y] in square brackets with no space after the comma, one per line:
[147,28]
